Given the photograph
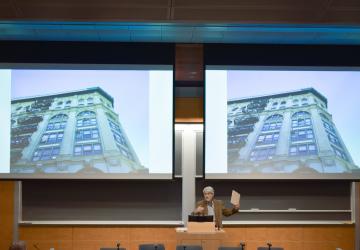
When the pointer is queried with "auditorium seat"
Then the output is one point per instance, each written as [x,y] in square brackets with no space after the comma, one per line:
[151,247]
[112,248]
[232,248]
[188,247]
[271,248]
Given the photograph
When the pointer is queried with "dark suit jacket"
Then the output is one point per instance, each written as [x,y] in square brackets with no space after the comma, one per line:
[219,210]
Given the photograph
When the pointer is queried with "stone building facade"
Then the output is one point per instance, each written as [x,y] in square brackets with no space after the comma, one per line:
[74,132]
[289,132]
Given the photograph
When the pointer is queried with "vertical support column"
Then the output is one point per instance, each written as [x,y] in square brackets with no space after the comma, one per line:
[17,210]
[320,133]
[188,86]
[356,211]
[283,144]
[188,167]
[67,144]
[35,139]
[252,138]
[105,131]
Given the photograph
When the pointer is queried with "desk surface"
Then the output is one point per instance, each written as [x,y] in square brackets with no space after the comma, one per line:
[219,235]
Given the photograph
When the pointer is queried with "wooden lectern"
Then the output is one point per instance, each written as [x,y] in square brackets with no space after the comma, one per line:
[201,233]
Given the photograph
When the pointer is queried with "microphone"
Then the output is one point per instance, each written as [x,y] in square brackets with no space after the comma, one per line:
[270,245]
[242,245]
[118,246]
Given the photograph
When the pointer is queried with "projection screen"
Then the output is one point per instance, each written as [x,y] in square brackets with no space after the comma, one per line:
[86,121]
[282,123]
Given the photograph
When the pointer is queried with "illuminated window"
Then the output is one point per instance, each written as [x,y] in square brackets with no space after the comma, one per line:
[261,154]
[86,118]
[273,122]
[87,149]
[336,145]
[301,119]
[340,153]
[270,138]
[303,149]
[57,122]
[302,134]
[87,134]
[51,138]
[44,154]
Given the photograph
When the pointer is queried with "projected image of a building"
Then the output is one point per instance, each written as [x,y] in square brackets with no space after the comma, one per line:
[288,132]
[73,132]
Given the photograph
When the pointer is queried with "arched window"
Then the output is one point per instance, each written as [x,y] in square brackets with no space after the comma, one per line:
[68,104]
[87,136]
[90,101]
[81,102]
[282,105]
[59,105]
[301,119]
[265,146]
[57,122]
[59,117]
[50,141]
[86,118]
[302,139]
[304,101]
[295,102]
[274,105]
[273,122]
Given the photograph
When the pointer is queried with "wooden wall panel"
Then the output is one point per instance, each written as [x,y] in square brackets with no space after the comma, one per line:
[6,213]
[130,237]
[46,237]
[189,62]
[189,109]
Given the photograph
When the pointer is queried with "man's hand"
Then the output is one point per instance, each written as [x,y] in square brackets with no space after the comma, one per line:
[237,206]
[199,209]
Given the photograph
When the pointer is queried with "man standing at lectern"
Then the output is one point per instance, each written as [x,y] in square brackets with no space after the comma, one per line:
[210,206]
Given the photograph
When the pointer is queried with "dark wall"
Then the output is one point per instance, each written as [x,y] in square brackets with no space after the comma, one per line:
[86,52]
[101,200]
[282,195]
[281,55]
